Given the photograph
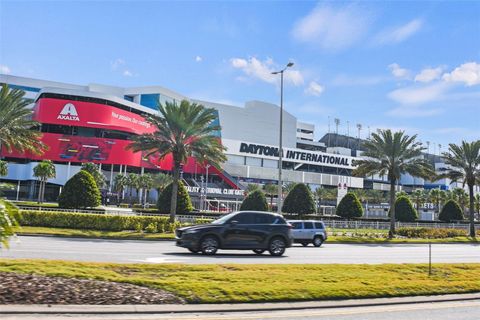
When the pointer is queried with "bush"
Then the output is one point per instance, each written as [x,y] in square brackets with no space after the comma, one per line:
[80,191]
[404,210]
[451,211]
[184,204]
[349,207]
[299,200]
[431,233]
[103,222]
[151,228]
[255,200]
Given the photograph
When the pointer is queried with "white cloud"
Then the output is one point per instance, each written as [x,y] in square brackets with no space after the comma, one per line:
[262,70]
[332,28]
[198,59]
[419,95]
[429,74]
[314,89]
[127,73]
[399,72]
[468,73]
[117,63]
[399,33]
[4,69]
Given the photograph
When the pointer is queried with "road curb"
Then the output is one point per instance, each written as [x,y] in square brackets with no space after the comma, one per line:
[240,307]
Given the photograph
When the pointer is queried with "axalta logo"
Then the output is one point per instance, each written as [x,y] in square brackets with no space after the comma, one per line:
[69,113]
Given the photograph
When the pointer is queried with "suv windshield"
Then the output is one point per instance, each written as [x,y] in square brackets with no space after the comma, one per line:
[224,219]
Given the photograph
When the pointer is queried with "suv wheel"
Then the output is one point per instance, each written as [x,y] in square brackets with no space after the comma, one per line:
[209,245]
[277,247]
[317,241]
[258,251]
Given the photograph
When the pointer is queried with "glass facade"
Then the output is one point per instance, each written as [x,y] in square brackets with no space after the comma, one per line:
[149,100]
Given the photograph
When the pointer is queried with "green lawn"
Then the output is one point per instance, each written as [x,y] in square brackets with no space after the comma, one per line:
[263,283]
[153,236]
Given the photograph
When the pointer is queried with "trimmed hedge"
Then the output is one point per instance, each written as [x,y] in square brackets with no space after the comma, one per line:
[431,233]
[184,204]
[255,200]
[80,191]
[88,221]
[404,210]
[350,207]
[299,200]
[451,211]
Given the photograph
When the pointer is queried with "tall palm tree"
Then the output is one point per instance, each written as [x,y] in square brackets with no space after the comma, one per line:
[97,174]
[17,129]
[271,190]
[461,196]
[323,194]
[464,161]
[182,130]
[393,154]
[44,170]
[119,183]
[161,181]
[3,168]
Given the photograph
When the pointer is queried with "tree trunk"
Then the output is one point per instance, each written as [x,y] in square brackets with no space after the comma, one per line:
[472,212]
[391,233]
[42,198]
[39,191]
[173,200]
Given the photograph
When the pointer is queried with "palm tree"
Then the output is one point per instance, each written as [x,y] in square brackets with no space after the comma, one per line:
[96,173]
[3,168]
[418,196]
[460,196]
[435,196]
[120,182]
[161,181]
[477,204]
[16,125]
[464,161]
[288,187]
[146,183]
[252,187]
[393,154]
[183,131]
[271,190]
[44,170]
[132,182]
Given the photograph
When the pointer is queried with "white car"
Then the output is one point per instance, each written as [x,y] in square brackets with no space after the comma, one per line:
[308,231]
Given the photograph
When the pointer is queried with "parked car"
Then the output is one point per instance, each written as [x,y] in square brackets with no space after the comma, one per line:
[308,231]
[243,230]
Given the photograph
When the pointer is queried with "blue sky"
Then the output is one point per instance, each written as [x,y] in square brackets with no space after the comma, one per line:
[400,65]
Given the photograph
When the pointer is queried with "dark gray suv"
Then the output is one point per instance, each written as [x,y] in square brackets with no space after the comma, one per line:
[243,230]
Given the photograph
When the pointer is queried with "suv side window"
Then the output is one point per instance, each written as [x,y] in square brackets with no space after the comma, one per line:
[244,218]
[297,225]
[279,220]
[308,225]
[318,225]
[262,218]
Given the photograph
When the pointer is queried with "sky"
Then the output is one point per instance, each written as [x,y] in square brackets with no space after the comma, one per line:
[403,65]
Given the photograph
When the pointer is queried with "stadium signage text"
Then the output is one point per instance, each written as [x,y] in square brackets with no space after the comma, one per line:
[296,155]
[69,112]
[235,192]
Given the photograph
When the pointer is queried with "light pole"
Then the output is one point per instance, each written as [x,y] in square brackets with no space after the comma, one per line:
[280,164]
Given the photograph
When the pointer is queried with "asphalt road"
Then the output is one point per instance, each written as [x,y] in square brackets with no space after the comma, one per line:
[130,251]
[464,310]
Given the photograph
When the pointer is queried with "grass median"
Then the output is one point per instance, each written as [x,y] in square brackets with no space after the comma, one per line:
[268,283]
[134,235]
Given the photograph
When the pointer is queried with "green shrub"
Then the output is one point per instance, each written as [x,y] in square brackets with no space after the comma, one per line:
[350,207]
[103,222]
[255,200]
[299,200]
[151,228]
[184,204]
[80,191]
[404,210]
[431,233]
[451,211]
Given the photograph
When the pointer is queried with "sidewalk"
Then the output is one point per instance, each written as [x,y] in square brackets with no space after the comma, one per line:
[240,307]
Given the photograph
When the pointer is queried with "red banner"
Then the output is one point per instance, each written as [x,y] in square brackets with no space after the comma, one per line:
[65,148]
[87,114]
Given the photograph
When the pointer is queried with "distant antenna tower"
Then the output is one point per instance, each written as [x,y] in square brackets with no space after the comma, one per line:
[439,149]
[359,128]
[428,146]
[369,132]
[337,123]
